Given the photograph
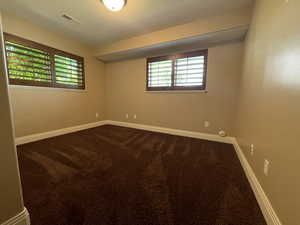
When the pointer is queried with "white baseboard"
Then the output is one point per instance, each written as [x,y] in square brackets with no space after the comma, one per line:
[210,137]
[263,201]
[54,133]
[20,219]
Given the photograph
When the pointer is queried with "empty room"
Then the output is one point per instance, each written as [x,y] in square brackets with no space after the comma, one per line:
[149,112]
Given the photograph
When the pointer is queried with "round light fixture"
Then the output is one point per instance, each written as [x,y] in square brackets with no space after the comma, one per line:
[114,5]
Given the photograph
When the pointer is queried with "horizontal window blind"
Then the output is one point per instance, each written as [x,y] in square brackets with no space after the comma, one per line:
[189,71]
[33,64]
[69,71]
[160,74]
[28,64]
[186,71]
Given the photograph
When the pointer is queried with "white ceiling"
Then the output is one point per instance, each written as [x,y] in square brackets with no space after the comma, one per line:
[100,26]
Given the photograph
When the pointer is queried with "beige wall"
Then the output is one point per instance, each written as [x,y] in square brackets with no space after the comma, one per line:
[11,202]
[269,109]
[42,109]
[201,26]
[266,112]
[125,85]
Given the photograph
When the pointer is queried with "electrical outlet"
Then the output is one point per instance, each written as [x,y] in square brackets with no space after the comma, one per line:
[252,149]
[206,123]
[97,115]
[134,116]
[266,167]
[127,116]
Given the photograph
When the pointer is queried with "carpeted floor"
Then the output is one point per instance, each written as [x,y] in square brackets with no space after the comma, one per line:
[113,175]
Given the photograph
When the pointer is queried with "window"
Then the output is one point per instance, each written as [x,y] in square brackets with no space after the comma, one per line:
[33,64]
[185,71]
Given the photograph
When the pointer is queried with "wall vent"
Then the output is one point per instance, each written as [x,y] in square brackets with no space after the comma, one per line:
[70,18]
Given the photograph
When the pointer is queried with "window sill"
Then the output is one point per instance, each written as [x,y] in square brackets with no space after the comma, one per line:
[47,88]
[178,91]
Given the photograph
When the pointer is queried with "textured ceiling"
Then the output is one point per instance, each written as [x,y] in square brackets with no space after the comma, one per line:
[99,26]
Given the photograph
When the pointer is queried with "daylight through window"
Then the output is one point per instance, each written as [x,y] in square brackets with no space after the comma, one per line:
[185,71]
[33,64]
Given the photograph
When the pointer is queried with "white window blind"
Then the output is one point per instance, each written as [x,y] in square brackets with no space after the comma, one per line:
[189,71]
[160,74]
[186,71]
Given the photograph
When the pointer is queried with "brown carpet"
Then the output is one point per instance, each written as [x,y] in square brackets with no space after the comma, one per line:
[113,175]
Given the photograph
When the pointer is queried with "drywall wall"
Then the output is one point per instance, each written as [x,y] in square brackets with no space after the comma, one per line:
[269,109]
[39,110]
[125,93]
[210,24]
[11,202]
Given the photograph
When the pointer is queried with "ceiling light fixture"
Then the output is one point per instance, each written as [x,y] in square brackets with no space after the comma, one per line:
[114,5]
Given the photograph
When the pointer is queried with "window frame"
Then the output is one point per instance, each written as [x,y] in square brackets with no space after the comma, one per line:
[52,52]
[173,58]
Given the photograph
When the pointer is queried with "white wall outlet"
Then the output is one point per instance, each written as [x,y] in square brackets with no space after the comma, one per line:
[266,167]
[97,115]
[252,149]
[222,133]
[127,116]
[134,116]
[206,123]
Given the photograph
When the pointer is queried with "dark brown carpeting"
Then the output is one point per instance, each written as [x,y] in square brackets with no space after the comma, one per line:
[113,175]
